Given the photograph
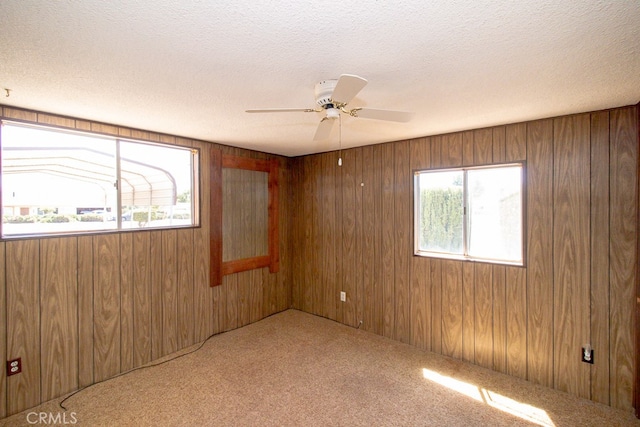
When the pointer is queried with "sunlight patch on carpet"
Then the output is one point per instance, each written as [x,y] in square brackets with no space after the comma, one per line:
[491,398]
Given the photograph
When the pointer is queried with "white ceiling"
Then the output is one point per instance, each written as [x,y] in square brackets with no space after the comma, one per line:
[191,68]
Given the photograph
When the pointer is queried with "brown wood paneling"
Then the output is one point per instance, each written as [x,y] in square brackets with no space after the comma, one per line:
[3,332]
[106,306]
[206,269]
[636,392]
[285,277]
[273,216]
[435,278]
[599,314]
[104,128]
[452,309]
[571,266]
[244,296]
[23,320]
[452,150]
[212,175]
[483,303]
[372,226]
[420,313]
[468,312]
[499,274]
[484,315]
[330,236]
[232,308]
[350,245]
[435,273]
[368,238]
[85,311]
[256,300]
[48,119]
[358,243]
[403,239]
[468,277]
[142,298]
[97,305]
[126,301]
[339,179]
[540,252]
[297,221]
[515,282]
[19,114]
[169,292]
[499,142]
[317,231]
[623,252]
[482,146]
[452,282]
[58,317]
[419,320]
[516,295]
[270,290]
[499,319]
[307,282]
[515,313]
[185,286]
[516,142]
[156,272]
[388,242]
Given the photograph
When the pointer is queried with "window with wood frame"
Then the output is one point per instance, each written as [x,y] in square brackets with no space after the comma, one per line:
[244,221]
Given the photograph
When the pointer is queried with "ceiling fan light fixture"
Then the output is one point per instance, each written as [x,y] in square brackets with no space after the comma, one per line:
[333,113]
[323,91]
[332,96]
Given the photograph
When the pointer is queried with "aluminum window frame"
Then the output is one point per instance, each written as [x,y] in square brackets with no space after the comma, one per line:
[465,256]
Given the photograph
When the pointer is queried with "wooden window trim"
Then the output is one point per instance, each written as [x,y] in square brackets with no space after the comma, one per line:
[220,268]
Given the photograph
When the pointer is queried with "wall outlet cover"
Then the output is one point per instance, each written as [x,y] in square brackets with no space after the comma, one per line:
[14,366]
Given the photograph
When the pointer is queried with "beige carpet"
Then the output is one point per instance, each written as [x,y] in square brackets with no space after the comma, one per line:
[295,369]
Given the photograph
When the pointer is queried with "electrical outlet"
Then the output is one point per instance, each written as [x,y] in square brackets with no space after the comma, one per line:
[343,296]
[14,366]
[587,354]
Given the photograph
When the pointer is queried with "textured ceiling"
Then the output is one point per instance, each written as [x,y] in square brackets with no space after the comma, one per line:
[193,68]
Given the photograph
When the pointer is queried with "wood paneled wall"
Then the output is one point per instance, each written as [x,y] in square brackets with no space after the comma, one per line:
[353,232]
[82,309]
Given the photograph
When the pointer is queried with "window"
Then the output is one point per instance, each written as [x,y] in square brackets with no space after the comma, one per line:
[56,182]
[244,215]
[471,213]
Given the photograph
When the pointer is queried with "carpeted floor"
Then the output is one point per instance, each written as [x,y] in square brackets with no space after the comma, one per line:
[296,369]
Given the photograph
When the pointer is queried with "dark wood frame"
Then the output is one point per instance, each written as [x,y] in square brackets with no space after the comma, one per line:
[636,384]
[220,268]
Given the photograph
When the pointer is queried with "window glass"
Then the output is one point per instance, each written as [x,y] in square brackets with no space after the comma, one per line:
[441,219]
[495,213]
[56,181]
[470,213]
[245,214]
[156,185]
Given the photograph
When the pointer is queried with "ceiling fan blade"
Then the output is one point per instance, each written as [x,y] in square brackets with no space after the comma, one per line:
[390,115]
[347,88]
[324,129]
[281,110]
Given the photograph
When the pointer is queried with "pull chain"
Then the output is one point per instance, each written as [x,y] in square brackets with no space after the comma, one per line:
[340,140]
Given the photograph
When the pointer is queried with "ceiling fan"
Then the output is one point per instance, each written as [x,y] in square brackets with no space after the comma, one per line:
[332,97]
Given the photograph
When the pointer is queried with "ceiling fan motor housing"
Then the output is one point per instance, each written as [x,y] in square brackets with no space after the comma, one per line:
[323,92]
